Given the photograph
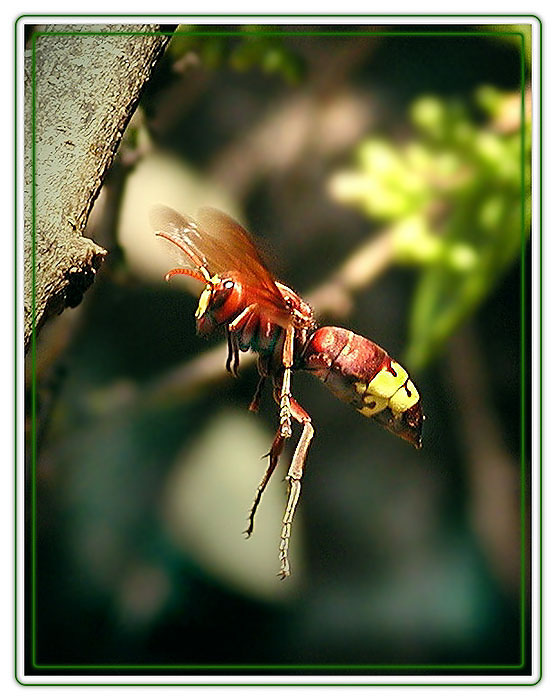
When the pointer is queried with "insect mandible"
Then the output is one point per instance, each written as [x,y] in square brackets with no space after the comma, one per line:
[260,314]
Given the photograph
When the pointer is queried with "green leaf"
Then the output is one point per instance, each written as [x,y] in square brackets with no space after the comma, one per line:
[457,200]
[483,236]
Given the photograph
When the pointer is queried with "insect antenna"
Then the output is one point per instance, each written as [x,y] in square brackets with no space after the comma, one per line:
[203,274]
[185,271]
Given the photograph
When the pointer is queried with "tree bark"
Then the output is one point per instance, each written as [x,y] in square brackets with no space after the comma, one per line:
[81,89]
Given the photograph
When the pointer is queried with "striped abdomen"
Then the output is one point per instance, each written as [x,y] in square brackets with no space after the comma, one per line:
[361,373]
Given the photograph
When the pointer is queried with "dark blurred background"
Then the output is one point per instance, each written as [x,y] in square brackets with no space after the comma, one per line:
[401,155]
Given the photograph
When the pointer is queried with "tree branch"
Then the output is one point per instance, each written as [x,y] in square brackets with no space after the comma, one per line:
[81,89]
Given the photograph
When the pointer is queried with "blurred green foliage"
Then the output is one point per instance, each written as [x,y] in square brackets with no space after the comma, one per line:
[249,51]
[456,198]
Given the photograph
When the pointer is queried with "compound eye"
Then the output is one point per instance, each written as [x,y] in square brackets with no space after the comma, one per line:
[220,295]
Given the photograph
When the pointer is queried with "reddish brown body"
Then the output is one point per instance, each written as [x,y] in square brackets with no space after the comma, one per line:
[344,360]
[260,314]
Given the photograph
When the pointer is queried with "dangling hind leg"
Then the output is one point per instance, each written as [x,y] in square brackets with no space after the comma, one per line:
[263,367]
[273,455]
[295,472]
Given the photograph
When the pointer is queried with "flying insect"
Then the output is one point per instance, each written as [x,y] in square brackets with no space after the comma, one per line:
[261,314]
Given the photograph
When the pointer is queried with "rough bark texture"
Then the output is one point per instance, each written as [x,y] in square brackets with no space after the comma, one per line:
[80,92]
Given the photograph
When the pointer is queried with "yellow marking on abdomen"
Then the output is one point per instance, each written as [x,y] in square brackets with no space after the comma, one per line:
[385,383]
[373,404]
[406,397]
[388,390]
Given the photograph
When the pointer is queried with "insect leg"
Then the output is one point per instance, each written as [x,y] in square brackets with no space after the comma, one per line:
[240,320]
[233,354]
[274,454]
[262,366]
[295,472]
[230,351]
[256,400]
[285,394]
[233,345]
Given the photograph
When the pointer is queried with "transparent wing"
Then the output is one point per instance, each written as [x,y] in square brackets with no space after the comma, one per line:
[218,243]
[183,232]
[237,251]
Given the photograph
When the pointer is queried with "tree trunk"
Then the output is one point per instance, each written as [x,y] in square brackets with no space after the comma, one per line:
[80,91]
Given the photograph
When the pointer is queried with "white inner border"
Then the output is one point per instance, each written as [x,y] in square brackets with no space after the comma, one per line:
[363,20]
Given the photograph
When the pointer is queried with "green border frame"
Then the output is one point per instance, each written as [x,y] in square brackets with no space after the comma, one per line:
[368,669]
